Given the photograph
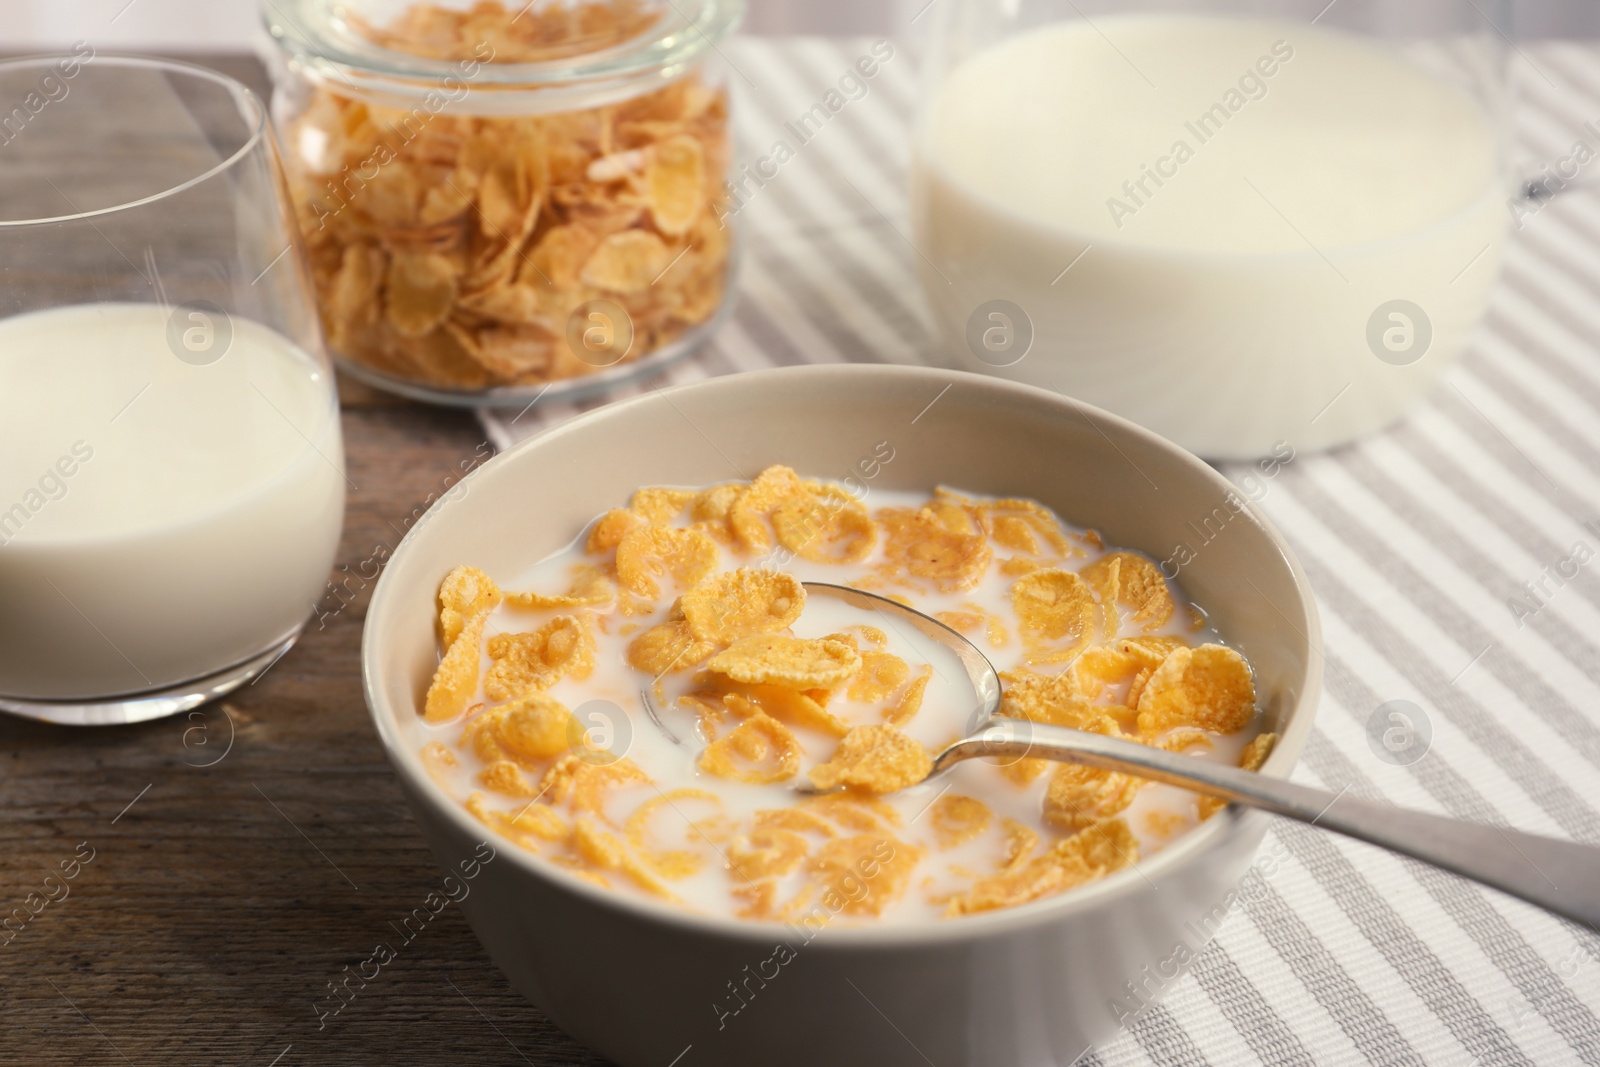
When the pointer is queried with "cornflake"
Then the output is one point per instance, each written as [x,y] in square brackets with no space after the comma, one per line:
[533,728]
[749,510]
[649,552]
[1054,604]
[456,679]
[927,548]
[1132,580]
[881,674]
[465,592]
[607,852]
[738,603]
[609,530]
[1050,698]
[561,647]
[1083,857]
[1209,687]
[1081,796]
[759,750]
[797,820]
[1122,666]
[767,853]
[582,784]
[590,588]
[827,527]
[877,759]
[910,701]
[1020,841]
[1256,752]
[712,505]
[787,705]
[672,864]
[506,778]
[958,819]
[854,812]
[1014,533]
[1254,755]
[667,648]
[530,826]
[660,505]
[864,874]
[799,662]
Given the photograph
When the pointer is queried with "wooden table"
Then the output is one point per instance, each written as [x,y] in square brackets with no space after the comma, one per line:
[230,885]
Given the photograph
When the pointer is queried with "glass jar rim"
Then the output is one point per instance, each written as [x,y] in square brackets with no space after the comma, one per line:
[317,38]
[253,113]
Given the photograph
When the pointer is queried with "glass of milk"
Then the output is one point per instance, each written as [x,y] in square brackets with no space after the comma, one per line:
[171,473]
[1251,227]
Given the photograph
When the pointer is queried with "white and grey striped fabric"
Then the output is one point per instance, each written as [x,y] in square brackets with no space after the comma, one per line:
[1418,541]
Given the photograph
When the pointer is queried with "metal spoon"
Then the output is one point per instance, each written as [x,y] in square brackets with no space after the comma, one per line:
[1560,876]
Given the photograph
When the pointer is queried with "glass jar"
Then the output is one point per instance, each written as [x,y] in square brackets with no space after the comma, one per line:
[501,203]
[1253,226]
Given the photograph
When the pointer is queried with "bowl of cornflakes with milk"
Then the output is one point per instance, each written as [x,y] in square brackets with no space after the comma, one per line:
[691,665]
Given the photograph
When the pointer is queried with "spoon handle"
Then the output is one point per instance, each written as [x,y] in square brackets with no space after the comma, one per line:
[1560,876]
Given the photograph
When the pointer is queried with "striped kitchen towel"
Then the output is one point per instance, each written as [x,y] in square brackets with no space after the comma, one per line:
[1455,558]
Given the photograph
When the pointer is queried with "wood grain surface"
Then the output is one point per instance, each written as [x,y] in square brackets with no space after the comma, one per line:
[229,885]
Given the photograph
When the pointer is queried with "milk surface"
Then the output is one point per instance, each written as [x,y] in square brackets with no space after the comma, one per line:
[159,520]
[1235,199]
[610,704]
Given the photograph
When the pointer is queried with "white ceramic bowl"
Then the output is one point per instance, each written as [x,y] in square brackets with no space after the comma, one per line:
[643,982]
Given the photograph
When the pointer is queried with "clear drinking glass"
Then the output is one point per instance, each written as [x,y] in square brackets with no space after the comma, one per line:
[171,470]
[1250,225]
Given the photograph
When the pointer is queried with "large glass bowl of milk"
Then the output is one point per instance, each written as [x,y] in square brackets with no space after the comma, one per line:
[171,471]
[1251,227]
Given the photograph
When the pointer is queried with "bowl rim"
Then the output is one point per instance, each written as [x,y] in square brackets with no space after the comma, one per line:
[1190,848]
